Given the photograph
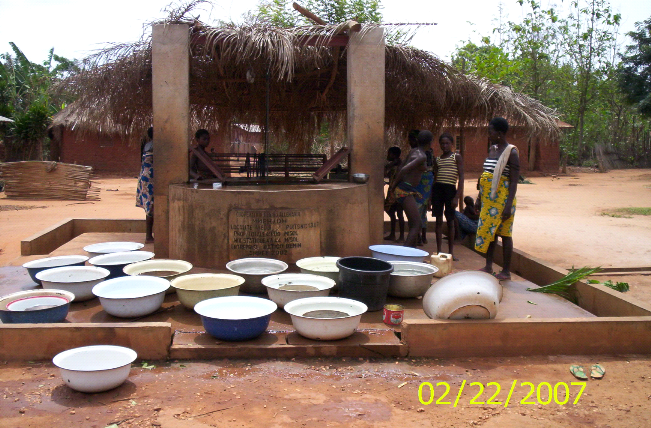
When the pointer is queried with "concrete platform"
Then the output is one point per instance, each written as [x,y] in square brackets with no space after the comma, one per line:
[527,323]
[188,339]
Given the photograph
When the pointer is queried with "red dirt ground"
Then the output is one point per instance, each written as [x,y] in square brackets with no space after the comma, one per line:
[559,220]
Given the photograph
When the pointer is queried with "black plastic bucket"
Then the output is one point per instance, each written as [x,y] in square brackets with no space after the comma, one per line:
[365,279]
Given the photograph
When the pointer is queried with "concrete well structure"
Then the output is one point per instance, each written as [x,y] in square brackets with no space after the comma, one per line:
[210,227]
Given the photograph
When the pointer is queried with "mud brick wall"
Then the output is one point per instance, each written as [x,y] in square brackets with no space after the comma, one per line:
[104,153]
[476,149]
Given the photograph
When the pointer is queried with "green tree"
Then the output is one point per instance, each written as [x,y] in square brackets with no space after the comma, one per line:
[535,46]
[590,41]
[281,13]
[487,61]
[25,98]
[635,72]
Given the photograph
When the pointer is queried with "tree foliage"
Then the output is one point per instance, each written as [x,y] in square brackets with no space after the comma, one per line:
[25,98]
[281,13]
[570,63]
[635,73]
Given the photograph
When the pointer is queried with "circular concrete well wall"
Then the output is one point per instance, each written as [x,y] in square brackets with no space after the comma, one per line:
[209,227]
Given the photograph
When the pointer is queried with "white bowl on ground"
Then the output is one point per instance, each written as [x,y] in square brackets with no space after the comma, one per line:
[398,253]
[313,317]
[131,296]
[286,287]
[324,266]
[463,295]
[95,368]
[116,262]
[253,270]
[36,266]
[410,279]
[162,268]
[79,280]
[111,247]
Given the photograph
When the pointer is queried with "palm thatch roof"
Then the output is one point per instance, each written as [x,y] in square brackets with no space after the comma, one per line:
[228,66]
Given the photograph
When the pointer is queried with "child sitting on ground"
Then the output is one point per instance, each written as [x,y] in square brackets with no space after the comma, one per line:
[466,222]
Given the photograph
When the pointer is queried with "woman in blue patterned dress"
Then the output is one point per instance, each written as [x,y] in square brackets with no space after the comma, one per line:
[145,189]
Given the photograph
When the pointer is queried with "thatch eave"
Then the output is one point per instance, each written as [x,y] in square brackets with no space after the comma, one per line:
[228,66]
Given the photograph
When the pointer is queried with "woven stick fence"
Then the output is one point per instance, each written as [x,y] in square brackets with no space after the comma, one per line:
[48,180]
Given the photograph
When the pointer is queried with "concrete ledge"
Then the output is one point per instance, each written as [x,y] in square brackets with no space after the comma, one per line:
[48,240]
[490,338]
[363,343]
[594,298]
[22,342]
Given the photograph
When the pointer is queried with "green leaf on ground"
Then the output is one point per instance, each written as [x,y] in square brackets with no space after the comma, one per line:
[622,287]
[147,366]
[532,303]
[562,286]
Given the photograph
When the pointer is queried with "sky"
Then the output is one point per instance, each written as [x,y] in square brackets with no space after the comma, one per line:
[75,28]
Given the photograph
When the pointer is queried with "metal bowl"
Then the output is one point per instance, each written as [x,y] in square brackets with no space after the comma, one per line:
[235,318]
[162,268]
[111,247]
[36,266]
[35,306]
[286,287]
[397,253]
[95,368]
[79,280]
[192,289]
[410,279]
[253,270]
[115,262]
[324,266]
[312,317]
[131,296]
[360,178]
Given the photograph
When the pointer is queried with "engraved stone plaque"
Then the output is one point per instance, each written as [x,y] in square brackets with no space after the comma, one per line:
[284,234]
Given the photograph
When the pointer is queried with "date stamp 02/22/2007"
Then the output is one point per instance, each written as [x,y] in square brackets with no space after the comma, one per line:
[544,393]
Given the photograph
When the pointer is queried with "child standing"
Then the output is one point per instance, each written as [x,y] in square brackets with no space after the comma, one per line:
[391,207]
[448,170]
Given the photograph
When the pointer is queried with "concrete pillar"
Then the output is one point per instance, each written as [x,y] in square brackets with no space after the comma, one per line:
[366,119]
[171,105]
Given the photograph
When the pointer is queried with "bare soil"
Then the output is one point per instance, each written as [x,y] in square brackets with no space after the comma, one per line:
[558,220]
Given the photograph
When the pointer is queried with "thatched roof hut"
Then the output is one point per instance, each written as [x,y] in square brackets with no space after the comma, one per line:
[307,79]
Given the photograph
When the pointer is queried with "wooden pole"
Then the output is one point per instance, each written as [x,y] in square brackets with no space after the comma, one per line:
[309,15]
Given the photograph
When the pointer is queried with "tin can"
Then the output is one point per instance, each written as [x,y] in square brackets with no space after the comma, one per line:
[216,185]
[393,314]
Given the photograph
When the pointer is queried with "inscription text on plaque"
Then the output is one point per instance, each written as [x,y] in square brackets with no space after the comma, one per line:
[284,234]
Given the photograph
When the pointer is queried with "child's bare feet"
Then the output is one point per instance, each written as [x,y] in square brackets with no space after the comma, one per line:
[503,276]
[485,269]
[390,238]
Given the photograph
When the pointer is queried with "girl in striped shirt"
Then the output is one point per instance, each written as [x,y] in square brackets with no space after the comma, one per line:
[448,170]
